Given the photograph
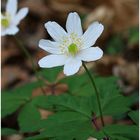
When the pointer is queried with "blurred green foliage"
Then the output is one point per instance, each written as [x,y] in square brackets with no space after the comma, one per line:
[117,43]
[133,35]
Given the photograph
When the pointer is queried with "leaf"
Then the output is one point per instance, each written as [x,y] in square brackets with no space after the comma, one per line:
[12,100]
[72,119]
[8,131]
[50,74]
[112,102]
[107,86]
[114,106]
[114,137]
[133,99]
[65,102]
[66,129]
[74,83]
[134,115]
[67,116]
[127,131]
[28,118]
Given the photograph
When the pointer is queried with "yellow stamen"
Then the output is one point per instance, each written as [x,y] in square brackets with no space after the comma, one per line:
[5,22]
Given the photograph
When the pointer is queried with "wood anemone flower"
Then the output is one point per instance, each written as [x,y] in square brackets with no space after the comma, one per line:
[11,18]
[72,47]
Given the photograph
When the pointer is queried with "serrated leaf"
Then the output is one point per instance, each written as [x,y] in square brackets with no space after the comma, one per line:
[134,115]
[60,130]
[50,74]
[8,131]
[127,131]
[28,118]
[115,105]
[107,86]
[112,102]
[12,100]
[66,117]
[73,119]
[65,102]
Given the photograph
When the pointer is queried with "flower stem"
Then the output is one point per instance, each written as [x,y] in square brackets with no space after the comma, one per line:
[27,54]
[96,91]
[94,122]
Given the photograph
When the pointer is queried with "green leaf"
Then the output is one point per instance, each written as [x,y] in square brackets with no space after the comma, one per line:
[133,99]
[8,131]
[112,102]
[66,117]
[107,86]
[72,119]
[114,137]
[12,100]
[134,115]
[74,84]
[50,74]
[127,131]
[28,118]
[66,129]
[65,102]
[116,105]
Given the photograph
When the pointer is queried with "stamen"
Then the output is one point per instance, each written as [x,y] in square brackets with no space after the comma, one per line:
[73,49]
[5,22]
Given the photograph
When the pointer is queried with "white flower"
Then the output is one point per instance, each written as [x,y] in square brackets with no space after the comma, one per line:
[72,47]
[11,18]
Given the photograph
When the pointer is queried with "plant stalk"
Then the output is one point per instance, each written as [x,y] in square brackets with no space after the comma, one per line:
[27,54]
[96,91]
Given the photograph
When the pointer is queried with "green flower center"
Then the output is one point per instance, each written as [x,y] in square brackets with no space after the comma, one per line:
[73,49]
[5,22]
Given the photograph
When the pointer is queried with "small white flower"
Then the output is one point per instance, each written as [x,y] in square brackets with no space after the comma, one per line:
[11,18]
[72,47]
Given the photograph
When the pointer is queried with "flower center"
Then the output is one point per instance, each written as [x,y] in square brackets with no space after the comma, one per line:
[73,49]
[5,22]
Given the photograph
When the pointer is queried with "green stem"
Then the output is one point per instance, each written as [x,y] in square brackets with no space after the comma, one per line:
[96,91]
[27,54]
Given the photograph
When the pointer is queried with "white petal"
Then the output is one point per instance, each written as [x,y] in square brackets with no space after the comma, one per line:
[11,7]
[2,16]
[72,66]
[90,54]
[12,30]
[49,46]
[3,32]
[73,24]
[20,15]
[52,61]
[92,34]
[55,30]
